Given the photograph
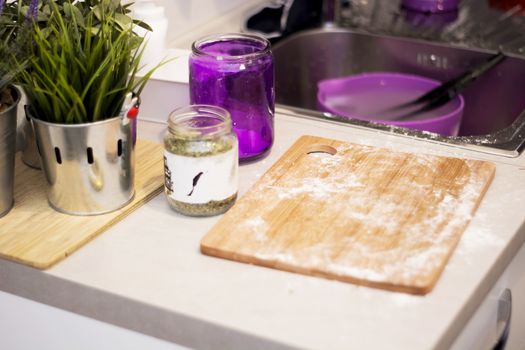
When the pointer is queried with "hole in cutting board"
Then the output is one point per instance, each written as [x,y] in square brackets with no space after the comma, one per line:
[321,149]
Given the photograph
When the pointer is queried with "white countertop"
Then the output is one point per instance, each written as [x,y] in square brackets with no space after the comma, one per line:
[146,273]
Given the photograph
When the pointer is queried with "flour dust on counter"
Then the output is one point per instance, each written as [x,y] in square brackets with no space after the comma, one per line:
[354,213]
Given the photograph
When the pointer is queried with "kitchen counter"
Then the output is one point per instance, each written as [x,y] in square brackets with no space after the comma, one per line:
[146,273]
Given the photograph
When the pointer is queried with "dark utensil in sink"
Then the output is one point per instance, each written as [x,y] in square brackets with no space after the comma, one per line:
[445,92]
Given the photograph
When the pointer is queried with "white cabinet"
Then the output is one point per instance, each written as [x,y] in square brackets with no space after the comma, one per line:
[484,330]
[28,325]
[515,275]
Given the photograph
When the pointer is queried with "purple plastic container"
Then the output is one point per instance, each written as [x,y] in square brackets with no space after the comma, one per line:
[235,71]
[433,6]
[370,96]
[429,19]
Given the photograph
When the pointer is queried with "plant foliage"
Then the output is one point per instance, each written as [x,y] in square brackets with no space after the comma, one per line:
[85,59]
[14,51]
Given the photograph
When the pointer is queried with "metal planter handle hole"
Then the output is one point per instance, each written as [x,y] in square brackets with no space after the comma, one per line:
[119,147]
[90,155]
[58,156]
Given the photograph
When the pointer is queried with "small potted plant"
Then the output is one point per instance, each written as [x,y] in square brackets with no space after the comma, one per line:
[79,85]
[12,61]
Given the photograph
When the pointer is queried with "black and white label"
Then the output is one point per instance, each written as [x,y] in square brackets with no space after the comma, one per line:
[199,180]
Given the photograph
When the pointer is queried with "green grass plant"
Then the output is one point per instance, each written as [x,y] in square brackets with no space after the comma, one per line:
[85,60]
[14,33]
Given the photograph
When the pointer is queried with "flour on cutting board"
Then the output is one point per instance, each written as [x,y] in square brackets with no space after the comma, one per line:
[361,215]
[379,217]
[258,227]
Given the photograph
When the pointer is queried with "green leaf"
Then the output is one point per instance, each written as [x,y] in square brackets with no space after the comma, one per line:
[114,5]
[46,9]
[94,30]
[142,24]
[74,13]
[98,12]
[123,20]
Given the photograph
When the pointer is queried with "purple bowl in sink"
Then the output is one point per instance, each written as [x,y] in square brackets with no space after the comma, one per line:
[431,5]
[371,96]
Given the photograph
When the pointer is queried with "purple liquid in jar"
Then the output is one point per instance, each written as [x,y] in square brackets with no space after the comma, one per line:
[235,71]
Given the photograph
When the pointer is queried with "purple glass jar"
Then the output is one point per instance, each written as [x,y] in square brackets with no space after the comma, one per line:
[235,71]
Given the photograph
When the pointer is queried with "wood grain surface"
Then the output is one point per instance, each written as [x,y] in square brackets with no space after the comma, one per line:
[354,213]
[34,234]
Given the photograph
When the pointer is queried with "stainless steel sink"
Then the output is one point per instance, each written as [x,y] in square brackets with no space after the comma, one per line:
[494,116]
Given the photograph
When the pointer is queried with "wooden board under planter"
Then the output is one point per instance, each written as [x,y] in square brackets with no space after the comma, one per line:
[34,234]
[354,213]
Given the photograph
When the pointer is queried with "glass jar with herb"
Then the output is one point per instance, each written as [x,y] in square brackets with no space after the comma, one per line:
[200,161]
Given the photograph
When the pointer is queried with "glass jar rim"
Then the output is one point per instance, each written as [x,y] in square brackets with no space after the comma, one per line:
[196,46]
[178,121]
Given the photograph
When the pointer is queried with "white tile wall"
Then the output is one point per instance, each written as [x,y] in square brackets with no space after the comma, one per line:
[192,19]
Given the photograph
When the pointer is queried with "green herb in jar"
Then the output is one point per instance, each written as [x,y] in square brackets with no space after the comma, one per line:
[203,209]
[197,148]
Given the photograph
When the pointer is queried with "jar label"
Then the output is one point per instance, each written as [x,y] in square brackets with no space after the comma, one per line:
[199,180]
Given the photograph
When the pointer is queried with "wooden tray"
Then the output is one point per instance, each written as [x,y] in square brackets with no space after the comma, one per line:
[354,213]
[34,234]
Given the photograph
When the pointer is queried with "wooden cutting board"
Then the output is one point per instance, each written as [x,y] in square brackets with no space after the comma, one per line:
[354,213]
[34,234]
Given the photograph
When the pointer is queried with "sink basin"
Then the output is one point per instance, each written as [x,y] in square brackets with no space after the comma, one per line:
[494,114]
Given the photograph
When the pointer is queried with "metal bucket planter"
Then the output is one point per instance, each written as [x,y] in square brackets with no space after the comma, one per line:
[7,153]
[89,167]
[30,154]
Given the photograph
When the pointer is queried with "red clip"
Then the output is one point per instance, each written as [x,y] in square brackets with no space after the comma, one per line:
[133,112]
